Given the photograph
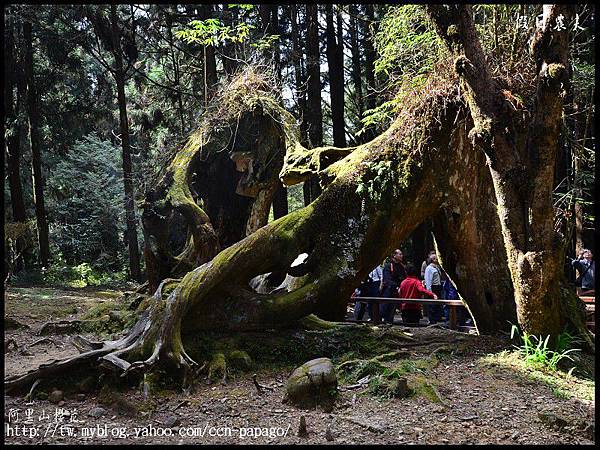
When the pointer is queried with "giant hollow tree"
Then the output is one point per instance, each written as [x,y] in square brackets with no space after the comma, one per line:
[426,165]
[520,151]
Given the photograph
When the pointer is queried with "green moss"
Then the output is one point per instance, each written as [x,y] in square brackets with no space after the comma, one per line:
[107,318]
[556,71]
[389,386]
[101,309]
[240,360]
[425,388]
[217,368]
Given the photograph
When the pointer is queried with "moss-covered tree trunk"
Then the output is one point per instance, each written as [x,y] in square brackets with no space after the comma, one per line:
[521,157]
[220,185]
[374,196]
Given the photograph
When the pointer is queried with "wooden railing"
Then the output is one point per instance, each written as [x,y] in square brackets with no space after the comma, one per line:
[590,307]
[452,306]
[590,303]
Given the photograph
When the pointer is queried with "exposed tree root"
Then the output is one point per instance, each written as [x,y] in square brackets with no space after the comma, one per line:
[10,323]
[61,327]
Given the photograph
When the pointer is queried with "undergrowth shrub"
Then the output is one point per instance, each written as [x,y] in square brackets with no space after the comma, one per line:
[535,350]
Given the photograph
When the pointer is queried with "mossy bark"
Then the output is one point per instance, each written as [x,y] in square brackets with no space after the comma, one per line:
[219,186]
[521,155]
[345,232]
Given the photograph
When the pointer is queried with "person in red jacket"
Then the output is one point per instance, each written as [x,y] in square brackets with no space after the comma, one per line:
[412,287]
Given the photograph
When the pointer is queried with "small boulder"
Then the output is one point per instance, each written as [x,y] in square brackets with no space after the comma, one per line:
[171,421]
[56,396]
[240,360]
[313,383]
[97,412]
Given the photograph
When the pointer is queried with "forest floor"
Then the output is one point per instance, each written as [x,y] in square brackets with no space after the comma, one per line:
[481,393]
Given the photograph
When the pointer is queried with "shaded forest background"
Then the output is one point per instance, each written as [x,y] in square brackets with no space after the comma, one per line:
[99,97]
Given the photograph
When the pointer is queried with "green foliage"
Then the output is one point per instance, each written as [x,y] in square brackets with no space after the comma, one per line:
[377,180]
[213,32]
[266,42]
[242,6]
[79,276]
[408,48]
[87,206]
[406,42]
[536,352]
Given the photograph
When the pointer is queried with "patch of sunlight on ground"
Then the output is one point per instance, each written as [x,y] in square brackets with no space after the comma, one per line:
[562,384]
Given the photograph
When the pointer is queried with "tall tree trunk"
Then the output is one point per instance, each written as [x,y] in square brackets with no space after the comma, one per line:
[228,51]
[280,198]
[314,112]
[269,15]
[335,61]
[175,63]
[370,56]
[299,76]
[13,140]
[356,69]
[523,176]
[132,243]
[35,140]
[300,88]
[276,29]
[210,62]
[13,75]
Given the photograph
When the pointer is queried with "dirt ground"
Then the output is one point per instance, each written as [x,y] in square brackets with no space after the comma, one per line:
[481,398]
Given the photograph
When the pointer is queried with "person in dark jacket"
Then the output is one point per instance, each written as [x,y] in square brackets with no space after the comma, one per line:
[393,274]
[368,288]
[586,267]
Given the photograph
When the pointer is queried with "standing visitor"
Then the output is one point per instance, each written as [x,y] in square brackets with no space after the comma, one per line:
[586,267]
[426,263]
[411,287]
[369,288]
[393,274]
[433,283]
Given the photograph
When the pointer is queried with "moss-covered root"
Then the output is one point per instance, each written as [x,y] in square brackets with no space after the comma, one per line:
[312,322]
